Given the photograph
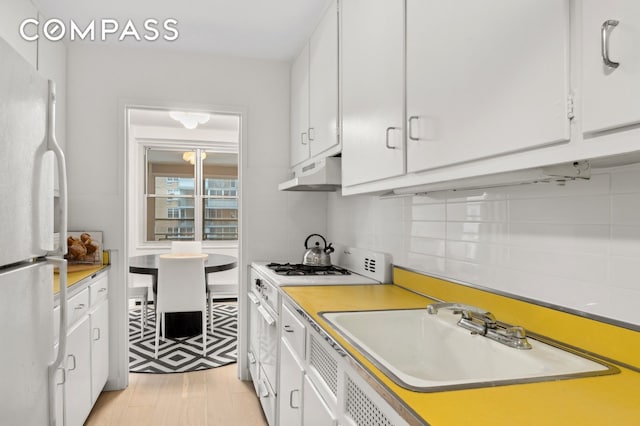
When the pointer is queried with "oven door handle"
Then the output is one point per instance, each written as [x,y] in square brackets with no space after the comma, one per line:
[266,316]
[254,298]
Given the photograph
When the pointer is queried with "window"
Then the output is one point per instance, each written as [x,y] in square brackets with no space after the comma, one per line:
[186,201]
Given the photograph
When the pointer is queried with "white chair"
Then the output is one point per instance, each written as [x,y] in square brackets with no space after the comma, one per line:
[193,247]
[141,294]
[181,288]
[186,247]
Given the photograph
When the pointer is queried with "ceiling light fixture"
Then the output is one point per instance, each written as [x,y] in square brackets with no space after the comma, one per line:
[190,120]
[190,156]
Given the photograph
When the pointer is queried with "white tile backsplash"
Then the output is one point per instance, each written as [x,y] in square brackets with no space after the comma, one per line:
[576,245]
[625,209]
[571,210]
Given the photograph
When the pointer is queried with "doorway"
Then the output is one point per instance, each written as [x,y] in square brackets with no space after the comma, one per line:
[184,180]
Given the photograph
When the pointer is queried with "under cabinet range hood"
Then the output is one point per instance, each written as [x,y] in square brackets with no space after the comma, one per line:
[323,174]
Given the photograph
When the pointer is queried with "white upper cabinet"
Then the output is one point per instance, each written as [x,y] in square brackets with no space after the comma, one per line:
[610,64]
[300,107]
[323,84]
[314,93]
[372,63]
[485,78]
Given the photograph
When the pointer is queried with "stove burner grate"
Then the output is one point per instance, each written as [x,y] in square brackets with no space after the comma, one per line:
[300,269]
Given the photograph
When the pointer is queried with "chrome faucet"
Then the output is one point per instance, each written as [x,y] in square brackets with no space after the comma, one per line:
[482,322]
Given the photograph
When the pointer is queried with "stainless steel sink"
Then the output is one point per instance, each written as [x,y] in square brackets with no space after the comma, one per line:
[428,353]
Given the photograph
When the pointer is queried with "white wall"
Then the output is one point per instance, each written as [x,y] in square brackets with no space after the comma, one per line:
[12,13]
[102,79]
[576,246]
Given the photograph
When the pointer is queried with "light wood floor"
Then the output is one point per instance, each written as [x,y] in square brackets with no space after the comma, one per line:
[210,397]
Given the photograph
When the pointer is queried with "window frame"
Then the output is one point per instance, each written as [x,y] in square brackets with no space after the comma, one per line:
[199,197]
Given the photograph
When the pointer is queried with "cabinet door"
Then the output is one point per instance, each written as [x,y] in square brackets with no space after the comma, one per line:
[485,78]
[323,83]
[611,92]
[300,107]
[78,385]
[290,382]
[315,411]
[372,90]
[99,318]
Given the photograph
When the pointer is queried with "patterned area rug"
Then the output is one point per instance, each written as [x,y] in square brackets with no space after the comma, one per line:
[182,355]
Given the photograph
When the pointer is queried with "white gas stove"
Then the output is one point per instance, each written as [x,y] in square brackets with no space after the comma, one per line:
[350,266]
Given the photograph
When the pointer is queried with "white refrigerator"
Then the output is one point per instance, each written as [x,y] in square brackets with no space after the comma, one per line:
[29,356]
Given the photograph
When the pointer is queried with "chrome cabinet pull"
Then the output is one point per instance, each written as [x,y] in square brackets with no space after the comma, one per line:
[288,328]
[604,42]
[73,357]
[291,399]
[411,119]
[388,129]
[98,335]
[79,306]
[302,138]
[312,135]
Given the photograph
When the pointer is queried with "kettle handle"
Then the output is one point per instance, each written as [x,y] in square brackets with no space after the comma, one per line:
[307,240]
[329,249]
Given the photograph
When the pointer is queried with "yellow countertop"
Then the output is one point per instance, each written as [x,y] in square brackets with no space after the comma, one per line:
[612,399]
[75,275]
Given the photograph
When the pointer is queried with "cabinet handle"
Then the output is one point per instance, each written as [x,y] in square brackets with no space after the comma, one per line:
[252,358]
[388,129]
[102,290]
[604,42]
[96,338]
[302,138]
[291,399]
[80,306]
[411,137]
[73,357]
[288,328]
[312,135]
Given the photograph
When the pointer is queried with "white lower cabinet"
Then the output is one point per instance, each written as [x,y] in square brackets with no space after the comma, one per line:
[318,386]
[99,317]
[290,378]
[77,388]
[86,364]
[316,411]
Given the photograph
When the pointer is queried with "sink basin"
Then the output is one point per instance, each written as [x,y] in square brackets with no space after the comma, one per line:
[425,352]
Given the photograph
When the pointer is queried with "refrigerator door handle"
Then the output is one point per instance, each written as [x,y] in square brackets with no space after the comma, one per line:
[52,145]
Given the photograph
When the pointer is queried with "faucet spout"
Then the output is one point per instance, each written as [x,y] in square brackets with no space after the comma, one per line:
[482,322]
[468,312]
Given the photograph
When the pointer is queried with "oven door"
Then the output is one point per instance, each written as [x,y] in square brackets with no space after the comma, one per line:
[254,332]
[268,342]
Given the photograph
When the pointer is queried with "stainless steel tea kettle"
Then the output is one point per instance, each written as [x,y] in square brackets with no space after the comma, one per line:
[316,256]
